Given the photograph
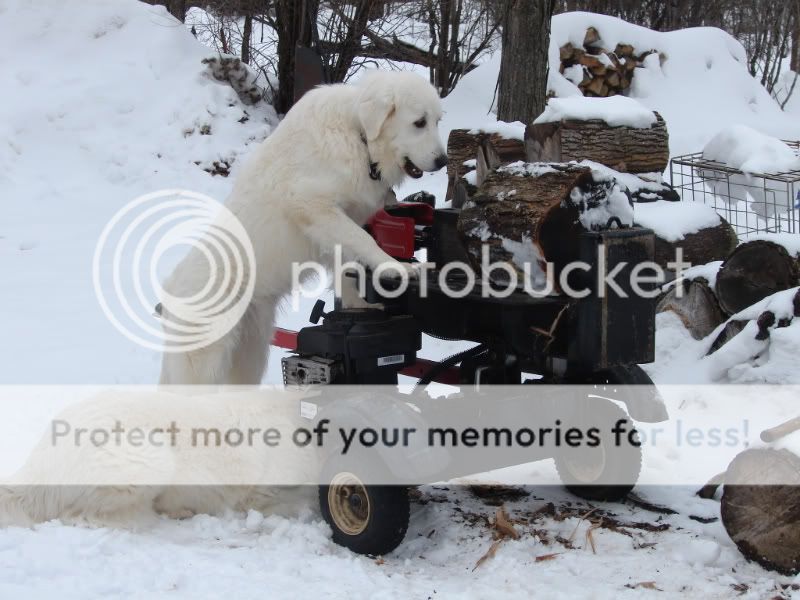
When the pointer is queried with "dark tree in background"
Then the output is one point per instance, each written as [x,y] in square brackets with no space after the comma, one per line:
[295,23]
[522,89]
[177,8]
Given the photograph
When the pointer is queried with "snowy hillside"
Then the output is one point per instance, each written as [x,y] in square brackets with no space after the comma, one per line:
[106,100]
[102,102]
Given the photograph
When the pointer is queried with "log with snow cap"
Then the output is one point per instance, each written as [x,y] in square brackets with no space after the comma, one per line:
[532,214]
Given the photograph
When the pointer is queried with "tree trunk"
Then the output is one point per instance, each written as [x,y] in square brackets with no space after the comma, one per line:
[760,507]
[295,22]
[524,62]
[794,63]
[699,248]
[697,307]
[628,149]
[754,271]
[177,8]
[247,34]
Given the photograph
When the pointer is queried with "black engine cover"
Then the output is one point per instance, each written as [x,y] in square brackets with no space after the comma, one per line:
[370,345]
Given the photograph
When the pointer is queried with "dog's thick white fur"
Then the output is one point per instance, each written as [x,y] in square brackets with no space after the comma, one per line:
[307,188]
[126,481]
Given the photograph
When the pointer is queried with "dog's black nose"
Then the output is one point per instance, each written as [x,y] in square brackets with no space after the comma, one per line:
[441,161]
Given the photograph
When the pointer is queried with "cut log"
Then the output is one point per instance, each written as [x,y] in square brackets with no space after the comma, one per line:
[591,38]
[696,307]
[462,145]
[527,216]
[699,248]
[624,50]
[754,271]
[760,507]
[640,150]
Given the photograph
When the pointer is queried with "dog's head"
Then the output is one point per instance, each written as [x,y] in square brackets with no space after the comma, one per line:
[399,113]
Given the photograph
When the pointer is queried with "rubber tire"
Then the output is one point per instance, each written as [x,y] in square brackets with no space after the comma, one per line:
[390,512]
[624,460]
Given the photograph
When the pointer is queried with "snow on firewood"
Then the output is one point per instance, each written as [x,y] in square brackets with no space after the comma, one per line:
[672,221]
[598,209]
[617,111]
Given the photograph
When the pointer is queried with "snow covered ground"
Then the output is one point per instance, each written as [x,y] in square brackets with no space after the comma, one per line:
[106,101]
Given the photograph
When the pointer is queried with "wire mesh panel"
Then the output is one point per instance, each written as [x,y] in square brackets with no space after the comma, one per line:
[750,202]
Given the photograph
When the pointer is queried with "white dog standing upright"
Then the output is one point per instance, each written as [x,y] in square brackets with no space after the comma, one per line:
[309,187]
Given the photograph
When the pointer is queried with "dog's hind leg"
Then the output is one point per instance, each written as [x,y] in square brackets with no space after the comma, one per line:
[249,357]
[210,365]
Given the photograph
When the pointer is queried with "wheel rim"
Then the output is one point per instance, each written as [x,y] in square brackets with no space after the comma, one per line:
[349,503]
[586,465]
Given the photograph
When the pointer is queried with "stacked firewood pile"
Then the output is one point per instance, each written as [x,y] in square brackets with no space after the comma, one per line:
[598,71]
[503,200]
[753,271]
[760,504]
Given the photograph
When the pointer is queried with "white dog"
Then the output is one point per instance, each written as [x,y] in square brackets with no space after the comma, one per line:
[310,186]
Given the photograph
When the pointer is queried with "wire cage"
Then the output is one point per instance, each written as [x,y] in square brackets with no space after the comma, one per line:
[751,202]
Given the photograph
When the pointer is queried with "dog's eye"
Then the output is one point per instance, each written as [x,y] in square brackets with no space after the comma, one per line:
[420,123]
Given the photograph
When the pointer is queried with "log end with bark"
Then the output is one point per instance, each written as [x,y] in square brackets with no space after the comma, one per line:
[760,507]
[626,149]
[695,305]
[527,215]
[753,271]
[464,145]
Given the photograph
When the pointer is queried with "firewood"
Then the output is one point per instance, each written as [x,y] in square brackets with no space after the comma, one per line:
[529,216]
[623,50]
[565,52]
[760,507]
[462,145]
[701,247]
[696,307]
[753,271]
[591,38]
[643,150]
[595,86]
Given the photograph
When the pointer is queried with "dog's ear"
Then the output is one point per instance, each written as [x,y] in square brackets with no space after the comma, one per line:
[374,107]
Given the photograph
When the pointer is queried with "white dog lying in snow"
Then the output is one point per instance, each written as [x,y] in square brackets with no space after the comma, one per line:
[311,185]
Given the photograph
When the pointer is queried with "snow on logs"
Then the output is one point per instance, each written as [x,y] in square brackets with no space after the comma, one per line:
[617,132]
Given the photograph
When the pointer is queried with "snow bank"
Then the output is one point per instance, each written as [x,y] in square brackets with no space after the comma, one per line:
[744,359]
[617,111]
[750,151]
[102,102]
[674,220]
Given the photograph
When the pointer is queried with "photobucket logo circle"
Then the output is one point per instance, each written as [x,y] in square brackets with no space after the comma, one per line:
[143,241]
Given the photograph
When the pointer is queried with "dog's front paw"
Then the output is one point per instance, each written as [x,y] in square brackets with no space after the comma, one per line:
[396,267]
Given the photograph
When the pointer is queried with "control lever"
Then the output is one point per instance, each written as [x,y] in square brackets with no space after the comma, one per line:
[317,312]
